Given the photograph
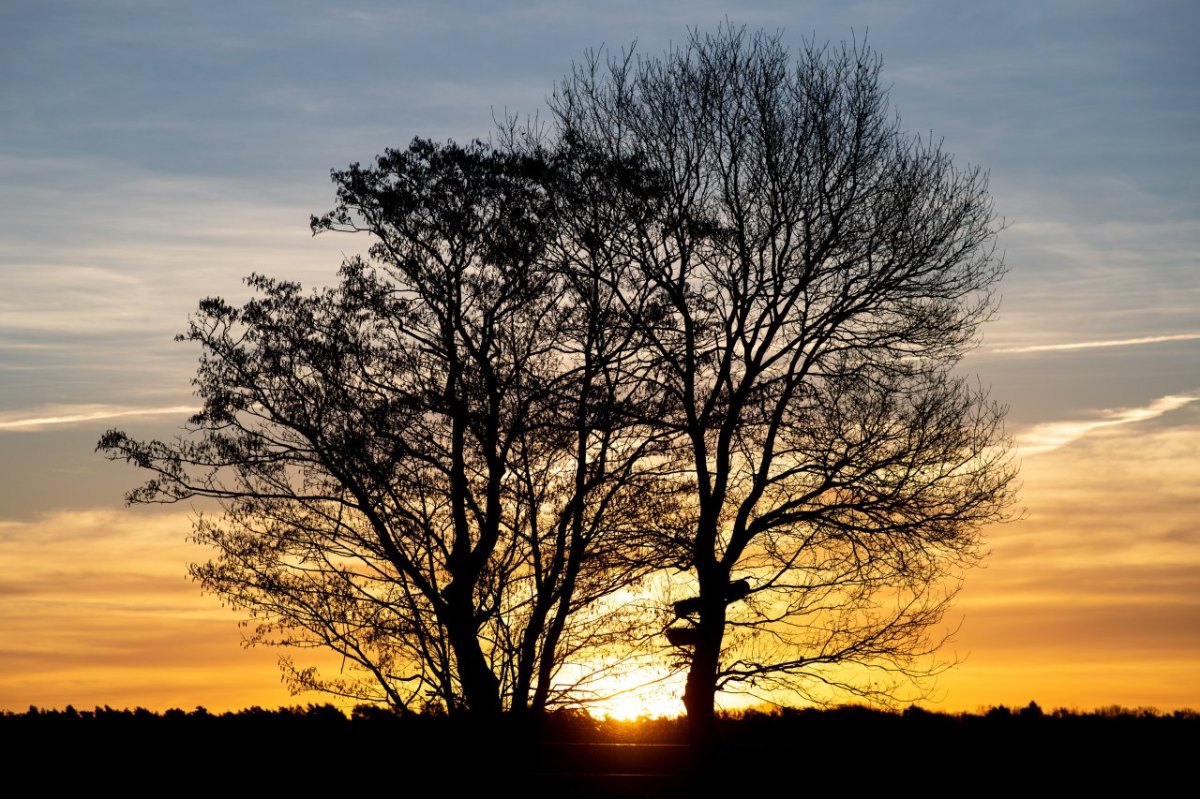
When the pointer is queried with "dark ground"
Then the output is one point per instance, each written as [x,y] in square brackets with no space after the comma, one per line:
[306,751]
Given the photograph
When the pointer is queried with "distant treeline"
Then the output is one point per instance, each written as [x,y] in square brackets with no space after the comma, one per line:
[580,725]
[573,754]
[747,727]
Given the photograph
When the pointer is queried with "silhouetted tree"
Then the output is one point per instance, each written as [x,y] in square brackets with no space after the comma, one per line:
[708,319]
[804,278]
[430,467]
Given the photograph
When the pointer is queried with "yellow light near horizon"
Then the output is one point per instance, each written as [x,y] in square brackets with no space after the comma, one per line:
[640,693]
[1090,600]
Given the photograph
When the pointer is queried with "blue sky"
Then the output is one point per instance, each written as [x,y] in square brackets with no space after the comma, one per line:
[152,153]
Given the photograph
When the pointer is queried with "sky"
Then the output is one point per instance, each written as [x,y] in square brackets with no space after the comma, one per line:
[153,153]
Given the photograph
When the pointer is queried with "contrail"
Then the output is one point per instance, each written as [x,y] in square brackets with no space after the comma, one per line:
[91,416]
[1087,345]
[1052,435]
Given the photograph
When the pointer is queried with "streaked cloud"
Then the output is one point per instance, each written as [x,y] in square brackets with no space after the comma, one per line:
[1087,345]
[92,414]
[1052,435]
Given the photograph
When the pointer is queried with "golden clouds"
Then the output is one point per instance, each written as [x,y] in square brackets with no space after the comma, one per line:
[1094,597]
[97,609]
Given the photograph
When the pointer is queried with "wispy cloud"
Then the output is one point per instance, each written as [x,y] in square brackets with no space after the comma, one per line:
[1052,435]
[1087,345]
[88,415]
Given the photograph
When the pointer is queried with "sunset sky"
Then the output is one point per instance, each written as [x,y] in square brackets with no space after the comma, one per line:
[155,152]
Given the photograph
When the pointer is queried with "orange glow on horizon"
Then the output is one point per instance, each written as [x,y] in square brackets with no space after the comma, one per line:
[1091,600]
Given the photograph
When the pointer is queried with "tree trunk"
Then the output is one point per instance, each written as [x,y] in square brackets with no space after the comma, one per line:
[480,687]
[700,694]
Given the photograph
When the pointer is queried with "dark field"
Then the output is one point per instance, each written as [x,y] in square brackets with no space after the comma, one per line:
[303,751]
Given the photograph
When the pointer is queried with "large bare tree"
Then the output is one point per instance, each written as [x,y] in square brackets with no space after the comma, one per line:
[804,276]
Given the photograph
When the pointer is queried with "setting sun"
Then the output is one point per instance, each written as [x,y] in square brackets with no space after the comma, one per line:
[643,693]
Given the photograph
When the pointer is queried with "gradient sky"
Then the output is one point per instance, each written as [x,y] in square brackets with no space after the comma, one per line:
[155,152]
